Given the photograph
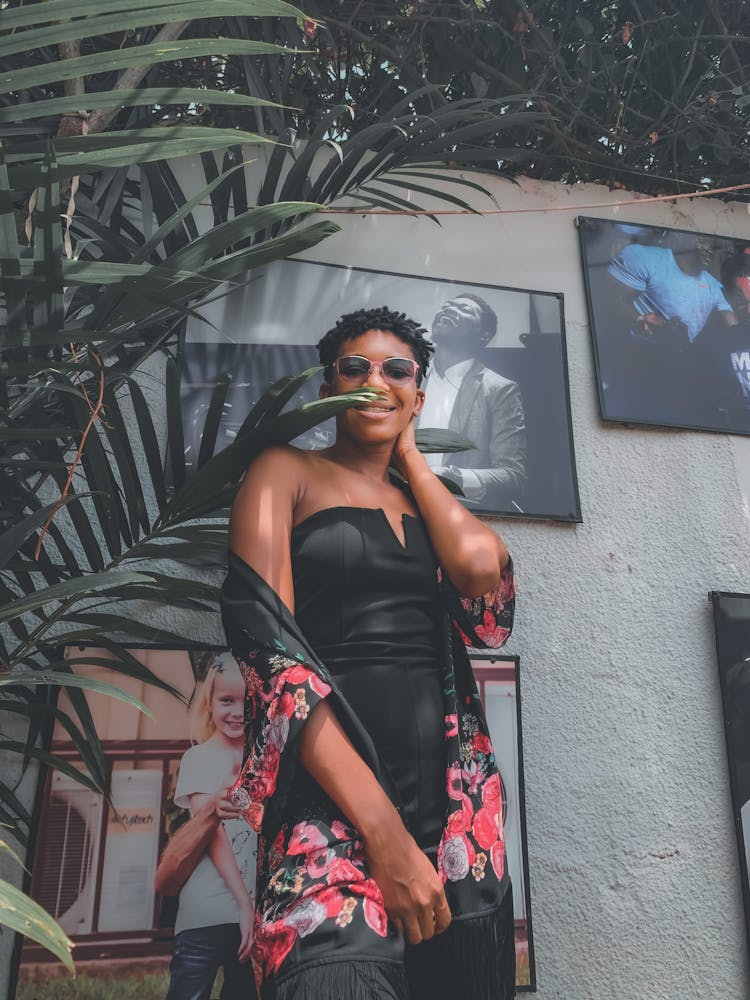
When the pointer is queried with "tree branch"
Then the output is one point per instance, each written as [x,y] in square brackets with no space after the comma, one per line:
[130,78]
[71,124]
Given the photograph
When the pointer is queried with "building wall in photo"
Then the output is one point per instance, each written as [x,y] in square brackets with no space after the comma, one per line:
[633,865]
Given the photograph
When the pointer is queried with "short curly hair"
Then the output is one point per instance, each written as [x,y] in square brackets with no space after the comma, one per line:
[354,324]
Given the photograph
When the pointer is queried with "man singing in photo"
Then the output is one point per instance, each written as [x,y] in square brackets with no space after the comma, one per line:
[465,396]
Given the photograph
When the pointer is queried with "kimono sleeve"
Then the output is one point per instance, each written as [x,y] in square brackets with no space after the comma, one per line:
[281,693]
[486,622]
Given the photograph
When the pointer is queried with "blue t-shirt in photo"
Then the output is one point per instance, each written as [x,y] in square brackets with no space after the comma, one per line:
[666,289]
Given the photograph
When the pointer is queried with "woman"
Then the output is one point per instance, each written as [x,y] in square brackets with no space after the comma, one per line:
[370,773]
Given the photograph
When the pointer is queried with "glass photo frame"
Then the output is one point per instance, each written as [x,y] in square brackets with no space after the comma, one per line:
[669,312]
[508,394]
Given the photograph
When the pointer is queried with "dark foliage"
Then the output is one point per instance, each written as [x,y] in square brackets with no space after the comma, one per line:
[652,96]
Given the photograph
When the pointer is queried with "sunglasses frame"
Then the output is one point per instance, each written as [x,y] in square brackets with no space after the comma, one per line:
[329,369]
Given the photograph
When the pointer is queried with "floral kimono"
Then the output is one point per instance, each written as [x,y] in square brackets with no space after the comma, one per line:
[317,903]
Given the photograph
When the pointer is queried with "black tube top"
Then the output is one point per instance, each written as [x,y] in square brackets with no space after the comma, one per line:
[370,608]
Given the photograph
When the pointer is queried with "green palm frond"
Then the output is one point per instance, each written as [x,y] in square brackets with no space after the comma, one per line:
[22,914]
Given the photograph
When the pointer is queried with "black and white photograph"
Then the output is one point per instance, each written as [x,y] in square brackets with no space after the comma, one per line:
[498,680]
[669,312]
[498,375]
[732,625]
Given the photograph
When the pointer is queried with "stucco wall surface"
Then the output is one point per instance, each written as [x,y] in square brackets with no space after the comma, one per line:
[633,861]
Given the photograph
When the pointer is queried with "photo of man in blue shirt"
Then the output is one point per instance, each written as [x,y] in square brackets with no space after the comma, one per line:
[665,324]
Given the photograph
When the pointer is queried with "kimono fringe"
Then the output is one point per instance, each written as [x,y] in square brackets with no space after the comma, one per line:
[475,959]
[342,980]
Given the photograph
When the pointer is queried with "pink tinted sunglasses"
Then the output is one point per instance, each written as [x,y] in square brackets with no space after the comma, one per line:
[354,368]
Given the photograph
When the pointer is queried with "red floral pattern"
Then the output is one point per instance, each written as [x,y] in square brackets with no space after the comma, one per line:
[274,708]
[318,877]
[487,621]
[474,828]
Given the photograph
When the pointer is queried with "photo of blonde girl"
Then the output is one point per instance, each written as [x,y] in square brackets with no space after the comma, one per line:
[213,929]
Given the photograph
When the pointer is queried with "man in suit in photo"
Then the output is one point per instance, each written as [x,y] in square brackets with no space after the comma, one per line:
[465,396]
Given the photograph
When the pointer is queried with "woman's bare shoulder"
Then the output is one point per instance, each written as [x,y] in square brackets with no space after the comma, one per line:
[263,515]
[278,462]
[278,456]
[281,472]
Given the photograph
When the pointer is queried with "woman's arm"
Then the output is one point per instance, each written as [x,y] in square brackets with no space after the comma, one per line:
[260,526]
[470,553]
[221,853]
[413,893]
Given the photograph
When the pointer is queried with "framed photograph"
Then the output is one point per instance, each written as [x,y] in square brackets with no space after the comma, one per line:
[93,866]
[498,375]
[498,679]
[669,312]
[732,625]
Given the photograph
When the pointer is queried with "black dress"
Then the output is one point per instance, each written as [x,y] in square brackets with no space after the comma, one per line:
[370,608]
[381,635]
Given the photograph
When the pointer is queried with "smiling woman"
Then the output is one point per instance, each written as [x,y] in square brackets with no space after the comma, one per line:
[383,872]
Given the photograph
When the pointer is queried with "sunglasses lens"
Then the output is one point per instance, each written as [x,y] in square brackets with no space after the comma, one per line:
[398,369]
[353,367]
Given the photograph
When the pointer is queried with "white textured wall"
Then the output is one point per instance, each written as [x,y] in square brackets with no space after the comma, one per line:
[633,861]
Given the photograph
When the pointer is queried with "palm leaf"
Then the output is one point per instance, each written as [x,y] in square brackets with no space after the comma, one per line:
[175,438]
[63,10]
[105,625]
[275,398]
[213,418]
[60,679]
[23,915]
[115,430]
[120,660]
[39,715]
[12,539]
[5,848]
[137,55]
[146,97]
[200,492]
[15,300]
[123,20]
[436,440]
[77,589]
[148,440]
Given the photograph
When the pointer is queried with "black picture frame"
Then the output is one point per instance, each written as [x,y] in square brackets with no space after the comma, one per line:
[660,304]
[268,328]
[499,680]
[731,614]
